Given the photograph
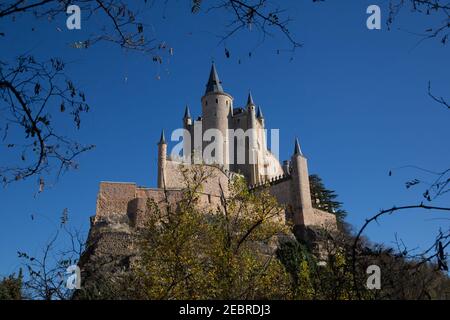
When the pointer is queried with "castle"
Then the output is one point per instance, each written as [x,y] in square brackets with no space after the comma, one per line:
[122,208]
[125,203]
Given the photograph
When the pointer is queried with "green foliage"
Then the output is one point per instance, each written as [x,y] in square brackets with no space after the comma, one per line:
[11,287]
[200,252]
[236,245]
[325,199]
[239,248]
[300,264]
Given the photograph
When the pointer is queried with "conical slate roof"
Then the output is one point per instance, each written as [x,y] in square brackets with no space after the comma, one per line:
[297,149]
[162,140]
[250,100]
[259,114]
[214,84]
[187,113]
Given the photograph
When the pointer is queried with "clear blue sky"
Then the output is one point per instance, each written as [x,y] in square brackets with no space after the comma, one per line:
[357,99]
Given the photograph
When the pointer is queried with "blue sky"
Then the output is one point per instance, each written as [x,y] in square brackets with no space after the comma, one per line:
[357,99]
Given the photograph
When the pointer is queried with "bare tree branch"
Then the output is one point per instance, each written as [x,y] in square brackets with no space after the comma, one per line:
[29,93]
[375,218]
[426,7]
[439,100]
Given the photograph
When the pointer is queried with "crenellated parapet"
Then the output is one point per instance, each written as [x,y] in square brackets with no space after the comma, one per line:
[270,182]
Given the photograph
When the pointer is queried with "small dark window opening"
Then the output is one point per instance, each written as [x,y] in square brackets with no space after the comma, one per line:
[217,100]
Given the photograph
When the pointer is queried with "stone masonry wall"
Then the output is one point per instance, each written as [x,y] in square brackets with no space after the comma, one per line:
[113,199]
[319,218]
[127,203]
[122,207]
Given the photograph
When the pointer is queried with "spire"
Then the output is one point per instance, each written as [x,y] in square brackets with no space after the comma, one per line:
[187,113]
[162,140]
[297,149]
[259,115]
[250,99]
[214,83]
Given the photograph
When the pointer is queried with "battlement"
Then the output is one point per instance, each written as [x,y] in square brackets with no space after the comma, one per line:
[270,182]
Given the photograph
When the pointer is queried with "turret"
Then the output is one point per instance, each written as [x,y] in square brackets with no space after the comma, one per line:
[250,100]
[253,142]
[187,119]
[251,112]
[162,159]
[260,116]
[216,106]
[297,149]
[301,188]
[187,135]
[262,133]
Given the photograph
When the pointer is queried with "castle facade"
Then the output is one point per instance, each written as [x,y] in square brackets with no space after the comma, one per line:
[245,153]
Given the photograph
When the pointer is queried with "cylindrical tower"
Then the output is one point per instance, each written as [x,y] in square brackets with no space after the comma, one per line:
[301,186]
[216,105]
[187,136]
[253,161]
[162,158]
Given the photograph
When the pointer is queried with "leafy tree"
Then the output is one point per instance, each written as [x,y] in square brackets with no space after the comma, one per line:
[239,247]
[323,276]
[11,287]
[329,276]
[298,262]
[325,199]
[190,251]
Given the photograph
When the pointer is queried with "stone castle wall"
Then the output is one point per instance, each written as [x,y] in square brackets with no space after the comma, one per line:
[176,180]
[118,201]
[127,203]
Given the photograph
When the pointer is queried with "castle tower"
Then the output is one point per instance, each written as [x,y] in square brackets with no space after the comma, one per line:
[261,132]
[253,140]
[187,136]
[187,120]
[260,116]
[216,106]
[162,158]
[301,189]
